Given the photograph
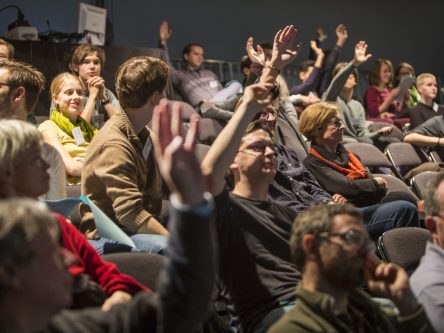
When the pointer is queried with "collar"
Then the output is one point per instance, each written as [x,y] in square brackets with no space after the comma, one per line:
[125,126]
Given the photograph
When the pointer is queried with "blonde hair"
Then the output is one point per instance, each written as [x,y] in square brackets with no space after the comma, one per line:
[17,138]
[59,80]
[314,117]
[420,79]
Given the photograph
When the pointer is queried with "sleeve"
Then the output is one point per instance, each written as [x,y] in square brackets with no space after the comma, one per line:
[221,110]
[329,65]
[314,188]
[431,298]
[419,322]
[372,101]
[104,273]
[432,127]
[308,85]
[48,125]
[338,83]
[335,182]
[120,181]
[361,125]
[113,99]
[57,181]
[173,72]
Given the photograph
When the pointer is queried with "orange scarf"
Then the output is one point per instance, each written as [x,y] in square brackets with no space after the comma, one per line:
[356,169]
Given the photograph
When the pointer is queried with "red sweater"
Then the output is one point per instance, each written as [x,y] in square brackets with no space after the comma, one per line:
[89,262]
[374,98]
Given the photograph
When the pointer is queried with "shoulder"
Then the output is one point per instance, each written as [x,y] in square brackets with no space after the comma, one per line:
[48,125]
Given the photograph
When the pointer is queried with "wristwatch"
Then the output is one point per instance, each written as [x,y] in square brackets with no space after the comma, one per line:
[106,99]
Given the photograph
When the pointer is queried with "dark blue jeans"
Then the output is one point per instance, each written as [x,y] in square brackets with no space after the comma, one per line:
[383,217]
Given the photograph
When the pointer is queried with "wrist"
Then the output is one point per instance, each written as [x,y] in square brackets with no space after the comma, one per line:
[438,144]
[274,64]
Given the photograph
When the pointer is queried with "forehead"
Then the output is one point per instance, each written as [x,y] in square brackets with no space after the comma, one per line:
[4,51]
[70,83]
[91,56]
[344,222]
[256,136]
[4,74]
[427,80]
[385,67]
[196,49]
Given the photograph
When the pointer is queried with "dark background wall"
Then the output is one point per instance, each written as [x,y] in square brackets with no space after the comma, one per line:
[398,30]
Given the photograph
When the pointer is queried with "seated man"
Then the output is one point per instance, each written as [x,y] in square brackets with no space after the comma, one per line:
[34,279]
[426,107]
[120,174]
[195,84]
[427,280]
[332,248]
[252,232]
[20,89]
[87,62]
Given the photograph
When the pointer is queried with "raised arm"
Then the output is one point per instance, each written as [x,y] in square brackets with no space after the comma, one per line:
[222,152]
[184,294]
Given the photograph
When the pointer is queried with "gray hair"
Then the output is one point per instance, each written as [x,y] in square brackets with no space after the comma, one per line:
[315,220]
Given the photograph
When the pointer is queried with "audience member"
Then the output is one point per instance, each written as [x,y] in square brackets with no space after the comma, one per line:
[34,280]
[426,281]
[195,84]
[404,69]
[252,232]
[120,174]
[87,62]
[352,112]
[95,281]
[331,247]
[426,107]
[340,171]
[67,130]
[380,98]
[20,88]
[6,49]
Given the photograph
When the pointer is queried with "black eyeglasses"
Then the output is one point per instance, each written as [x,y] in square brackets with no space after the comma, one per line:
[351,237]
[260,148]
[336,123]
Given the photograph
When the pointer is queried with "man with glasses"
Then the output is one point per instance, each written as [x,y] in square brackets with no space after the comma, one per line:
[427,280]
[332,248]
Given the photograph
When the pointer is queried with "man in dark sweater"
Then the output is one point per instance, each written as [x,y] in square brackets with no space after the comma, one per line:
[34,279]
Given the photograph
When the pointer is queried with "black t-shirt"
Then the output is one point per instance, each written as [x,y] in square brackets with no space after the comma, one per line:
[255,266]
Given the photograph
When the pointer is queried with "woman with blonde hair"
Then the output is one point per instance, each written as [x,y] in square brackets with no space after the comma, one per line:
[66,130]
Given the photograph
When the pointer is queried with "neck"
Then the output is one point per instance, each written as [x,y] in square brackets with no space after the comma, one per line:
[72,117]
[192,67]
[246,189]
[346,94]
[313,281]
[140,117]
[331,147]
[427,101]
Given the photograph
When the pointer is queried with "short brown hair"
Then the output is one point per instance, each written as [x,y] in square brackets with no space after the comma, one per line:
[314,117]
[10,48]
[420,79]
[82,51]
[24,75]
[374,78]
[139,78]
[315,220]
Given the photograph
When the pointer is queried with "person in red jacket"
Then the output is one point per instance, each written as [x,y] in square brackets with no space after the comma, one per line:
[23,173]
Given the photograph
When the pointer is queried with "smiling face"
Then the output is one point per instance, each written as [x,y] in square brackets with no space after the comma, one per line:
[332,131]
[69,98]
[385,74]
[256,159]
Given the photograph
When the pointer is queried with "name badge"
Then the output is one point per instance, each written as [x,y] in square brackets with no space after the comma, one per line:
[78,136]
[213,84]
[147,149]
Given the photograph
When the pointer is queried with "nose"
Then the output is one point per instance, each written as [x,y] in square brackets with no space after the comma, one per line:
[268,151]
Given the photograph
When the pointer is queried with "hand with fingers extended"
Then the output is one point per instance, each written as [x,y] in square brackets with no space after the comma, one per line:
[258,56]
[339,199]
[176,153]
[360,53]
[341,34]
[257,97]
[317,50]
[284,51]
[164,32]
[391,281]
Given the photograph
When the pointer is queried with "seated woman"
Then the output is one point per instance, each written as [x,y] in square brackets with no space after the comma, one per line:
[23,172]
[340,171]
[404,69]
[69,133]
[381,101]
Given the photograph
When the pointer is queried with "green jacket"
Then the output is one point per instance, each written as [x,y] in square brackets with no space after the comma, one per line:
[313,312]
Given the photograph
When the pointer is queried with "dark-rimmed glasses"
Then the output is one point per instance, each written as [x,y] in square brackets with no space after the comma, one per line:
[351,237]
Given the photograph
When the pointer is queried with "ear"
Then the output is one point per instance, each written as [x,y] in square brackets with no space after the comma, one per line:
[186,57]
[19,93]
[74,68]
[430,223]
[246,71]
[308,244]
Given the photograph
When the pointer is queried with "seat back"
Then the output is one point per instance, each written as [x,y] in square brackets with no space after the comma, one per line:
[144,267]
[370,156]
[402,155]
[404,246]
[397,185]
[420,181]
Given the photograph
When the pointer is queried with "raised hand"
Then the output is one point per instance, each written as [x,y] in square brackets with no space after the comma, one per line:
[258,56]
[257,96]
[342,34]
[283,50]
[360,53]
[164,31]
[317,50]
[176,153]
